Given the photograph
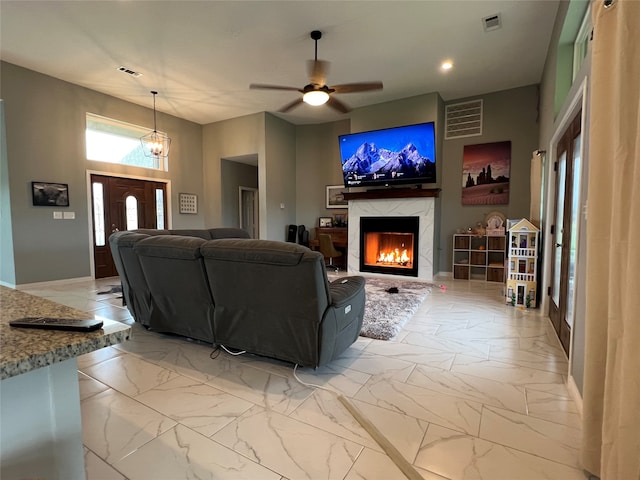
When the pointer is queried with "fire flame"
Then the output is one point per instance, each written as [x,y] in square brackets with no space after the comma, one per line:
[394,256]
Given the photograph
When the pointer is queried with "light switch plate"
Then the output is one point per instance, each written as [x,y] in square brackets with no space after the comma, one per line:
[69,215]
[57,215]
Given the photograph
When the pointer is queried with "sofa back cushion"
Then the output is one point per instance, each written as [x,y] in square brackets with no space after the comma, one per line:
[224,232]
[134,285]
[270,297]
[181,301]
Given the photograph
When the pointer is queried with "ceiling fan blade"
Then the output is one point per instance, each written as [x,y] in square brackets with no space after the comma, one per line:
[262,86]
[357,87]
[291,105]
[336,104]
[318,70]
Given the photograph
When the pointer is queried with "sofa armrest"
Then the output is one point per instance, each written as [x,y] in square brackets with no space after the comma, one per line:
[345,289]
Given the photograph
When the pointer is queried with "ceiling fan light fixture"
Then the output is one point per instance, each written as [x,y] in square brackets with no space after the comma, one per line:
[155,144]
[446,65]
[315,98]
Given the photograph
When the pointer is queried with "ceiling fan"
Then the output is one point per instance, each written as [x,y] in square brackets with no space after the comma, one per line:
[317,92]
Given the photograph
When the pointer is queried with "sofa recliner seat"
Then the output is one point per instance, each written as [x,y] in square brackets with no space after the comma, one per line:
[274,299]
[179,294]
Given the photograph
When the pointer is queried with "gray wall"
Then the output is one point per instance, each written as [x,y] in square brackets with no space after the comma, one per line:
[508,115]
[235,175]
[45,124]
[317,165]
[7,266]
[231,138]
[279,180]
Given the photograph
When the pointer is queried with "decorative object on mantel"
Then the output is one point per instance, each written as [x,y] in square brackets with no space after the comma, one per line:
[386,312]
[155,144]
[188,203]
[485,173]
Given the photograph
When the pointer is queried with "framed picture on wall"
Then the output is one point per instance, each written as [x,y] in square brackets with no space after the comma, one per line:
[486,169]
[335,196]
[46,194]
[325,222]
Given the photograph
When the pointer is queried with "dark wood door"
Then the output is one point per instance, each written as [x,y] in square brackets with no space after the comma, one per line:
[123,204]
[564,231]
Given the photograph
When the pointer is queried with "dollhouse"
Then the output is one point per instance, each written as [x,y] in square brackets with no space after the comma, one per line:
[522,264]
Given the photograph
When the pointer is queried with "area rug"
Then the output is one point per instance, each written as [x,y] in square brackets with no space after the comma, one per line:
[386,313]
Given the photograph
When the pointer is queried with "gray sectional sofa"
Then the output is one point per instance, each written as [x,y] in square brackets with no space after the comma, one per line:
[263,297]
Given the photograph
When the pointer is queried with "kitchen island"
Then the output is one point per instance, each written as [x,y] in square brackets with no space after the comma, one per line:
[40,421]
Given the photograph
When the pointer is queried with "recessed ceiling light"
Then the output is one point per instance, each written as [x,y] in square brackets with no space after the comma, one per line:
[446,65]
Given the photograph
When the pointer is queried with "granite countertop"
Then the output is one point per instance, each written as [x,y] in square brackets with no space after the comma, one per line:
[25,349]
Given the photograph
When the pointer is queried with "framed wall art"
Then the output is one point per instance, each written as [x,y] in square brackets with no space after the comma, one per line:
[485,173]
[188,203]
[335,196]
[46,194]
[325,222]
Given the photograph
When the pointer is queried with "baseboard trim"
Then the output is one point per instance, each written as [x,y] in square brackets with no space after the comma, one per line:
[574,393]
[53,283]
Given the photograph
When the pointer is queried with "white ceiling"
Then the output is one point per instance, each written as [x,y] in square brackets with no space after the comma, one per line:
[201,56]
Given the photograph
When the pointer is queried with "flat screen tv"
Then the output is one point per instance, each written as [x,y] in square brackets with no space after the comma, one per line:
[391,156]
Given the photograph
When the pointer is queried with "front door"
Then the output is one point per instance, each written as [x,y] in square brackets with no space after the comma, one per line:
[123,204]
[565,231]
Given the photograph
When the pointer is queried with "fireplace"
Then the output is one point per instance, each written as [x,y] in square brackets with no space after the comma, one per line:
[389,245]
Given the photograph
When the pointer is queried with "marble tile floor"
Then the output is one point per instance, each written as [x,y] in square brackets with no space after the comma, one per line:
[470,389]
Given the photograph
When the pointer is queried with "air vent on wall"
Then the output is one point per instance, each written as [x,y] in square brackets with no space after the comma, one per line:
[492,22]
[129,71]
[463,119]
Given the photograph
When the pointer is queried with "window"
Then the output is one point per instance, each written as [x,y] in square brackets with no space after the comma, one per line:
[131,204]
[159,208]
[582,42]
[98,214]
[112,141]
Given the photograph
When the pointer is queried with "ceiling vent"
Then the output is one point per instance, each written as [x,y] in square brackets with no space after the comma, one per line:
[129,71]
[463,119]
[492,22]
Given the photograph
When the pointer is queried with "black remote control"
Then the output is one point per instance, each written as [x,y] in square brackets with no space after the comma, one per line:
[70,324]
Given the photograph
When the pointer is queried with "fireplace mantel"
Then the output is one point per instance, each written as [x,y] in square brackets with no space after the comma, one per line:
[392,193]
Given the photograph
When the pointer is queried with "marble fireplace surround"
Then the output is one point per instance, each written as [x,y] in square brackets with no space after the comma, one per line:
[422,207]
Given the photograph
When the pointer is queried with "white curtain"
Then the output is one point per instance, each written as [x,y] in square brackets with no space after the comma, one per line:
[536,187]
[611,433]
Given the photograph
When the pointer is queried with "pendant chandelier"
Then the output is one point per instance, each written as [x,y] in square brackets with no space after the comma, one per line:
[155,144]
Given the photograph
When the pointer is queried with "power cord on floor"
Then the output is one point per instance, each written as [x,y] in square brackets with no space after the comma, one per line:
[233,353]
[312,385]
[216,351]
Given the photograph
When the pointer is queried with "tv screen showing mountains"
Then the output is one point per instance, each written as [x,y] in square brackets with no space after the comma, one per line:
[401,154]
